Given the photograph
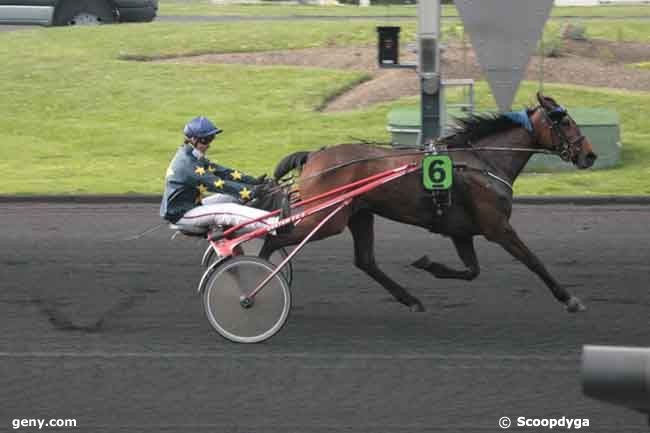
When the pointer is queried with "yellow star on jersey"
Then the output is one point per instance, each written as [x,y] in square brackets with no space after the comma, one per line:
[245,194]
[202,189]
[236,175]
[219,183]
[200,170]
[170,172]
[212,168]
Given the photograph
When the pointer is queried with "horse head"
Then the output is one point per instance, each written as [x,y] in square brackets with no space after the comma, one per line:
[556,131]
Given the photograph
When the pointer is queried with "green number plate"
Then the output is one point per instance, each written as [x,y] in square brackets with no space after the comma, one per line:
[437,172]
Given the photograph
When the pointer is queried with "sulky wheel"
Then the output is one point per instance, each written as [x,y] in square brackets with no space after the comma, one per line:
[83,12]
[252,248]
[238,318]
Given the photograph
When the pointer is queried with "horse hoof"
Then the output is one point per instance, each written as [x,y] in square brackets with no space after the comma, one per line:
[417,307]
[421,263]
[574,305]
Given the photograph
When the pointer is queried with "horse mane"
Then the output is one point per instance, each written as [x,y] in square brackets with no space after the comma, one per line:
[468,130]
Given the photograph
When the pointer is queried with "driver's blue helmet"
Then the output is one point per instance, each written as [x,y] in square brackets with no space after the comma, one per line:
[200,127]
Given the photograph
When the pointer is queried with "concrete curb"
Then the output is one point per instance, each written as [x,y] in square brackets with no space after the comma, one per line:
[602,200]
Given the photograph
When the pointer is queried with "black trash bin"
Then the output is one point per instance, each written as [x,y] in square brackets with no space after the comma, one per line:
[388,45]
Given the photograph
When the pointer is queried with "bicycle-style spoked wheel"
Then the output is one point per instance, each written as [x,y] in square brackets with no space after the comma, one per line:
[252,248]
[229,311]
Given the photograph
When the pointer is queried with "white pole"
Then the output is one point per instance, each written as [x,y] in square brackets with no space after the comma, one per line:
[429,18]
[429,68]
[364,3]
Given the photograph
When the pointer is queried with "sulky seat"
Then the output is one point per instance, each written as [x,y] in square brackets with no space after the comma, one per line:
[190,230]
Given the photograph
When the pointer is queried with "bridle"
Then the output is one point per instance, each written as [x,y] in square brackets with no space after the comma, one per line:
[565,147]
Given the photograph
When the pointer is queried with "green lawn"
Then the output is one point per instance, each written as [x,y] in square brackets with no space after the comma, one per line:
[77,119]
[613,30]
[630,177]
[205,7]
[83,121]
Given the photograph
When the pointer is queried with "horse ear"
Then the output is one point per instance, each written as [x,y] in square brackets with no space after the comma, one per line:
[546,102]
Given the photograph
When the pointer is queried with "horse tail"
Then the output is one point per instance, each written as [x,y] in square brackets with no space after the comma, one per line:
[290,162]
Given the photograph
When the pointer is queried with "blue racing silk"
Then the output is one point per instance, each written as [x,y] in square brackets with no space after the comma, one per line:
[189,177]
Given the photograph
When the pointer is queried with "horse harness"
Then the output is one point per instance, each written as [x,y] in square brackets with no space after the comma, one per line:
[441,198]
[566,148]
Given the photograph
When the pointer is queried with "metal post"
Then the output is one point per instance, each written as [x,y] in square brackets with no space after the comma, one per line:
[429,68]
[618,375]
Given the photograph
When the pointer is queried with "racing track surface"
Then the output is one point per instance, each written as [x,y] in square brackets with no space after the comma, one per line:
[111,331]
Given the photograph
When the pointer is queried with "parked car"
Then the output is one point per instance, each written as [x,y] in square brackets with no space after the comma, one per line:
[76,12]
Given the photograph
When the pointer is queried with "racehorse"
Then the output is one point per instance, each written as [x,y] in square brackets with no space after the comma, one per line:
[488,153]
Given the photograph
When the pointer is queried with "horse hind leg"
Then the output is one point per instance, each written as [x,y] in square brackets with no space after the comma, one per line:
[361,225]
[465,248]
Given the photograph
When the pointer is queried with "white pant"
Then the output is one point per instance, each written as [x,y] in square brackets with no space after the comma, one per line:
[219,198]
[222,210]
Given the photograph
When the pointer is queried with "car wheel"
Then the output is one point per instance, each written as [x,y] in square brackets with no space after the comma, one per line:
[86,12]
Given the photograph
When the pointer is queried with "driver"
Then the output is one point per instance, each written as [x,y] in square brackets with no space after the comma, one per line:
[191,175]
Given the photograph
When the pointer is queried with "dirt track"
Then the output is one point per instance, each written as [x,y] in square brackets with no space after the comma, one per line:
[348,360]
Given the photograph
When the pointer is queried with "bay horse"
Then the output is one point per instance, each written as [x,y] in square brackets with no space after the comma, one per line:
[493,149]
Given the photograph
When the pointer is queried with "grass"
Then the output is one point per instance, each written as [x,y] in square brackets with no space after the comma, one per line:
[618,31]
[80,120]
[642,65]
[205,7]
[610,11]
[624,30]
[630,177]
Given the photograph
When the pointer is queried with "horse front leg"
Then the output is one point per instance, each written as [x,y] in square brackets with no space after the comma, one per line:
[465,249]
[510,241]
[361,225]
